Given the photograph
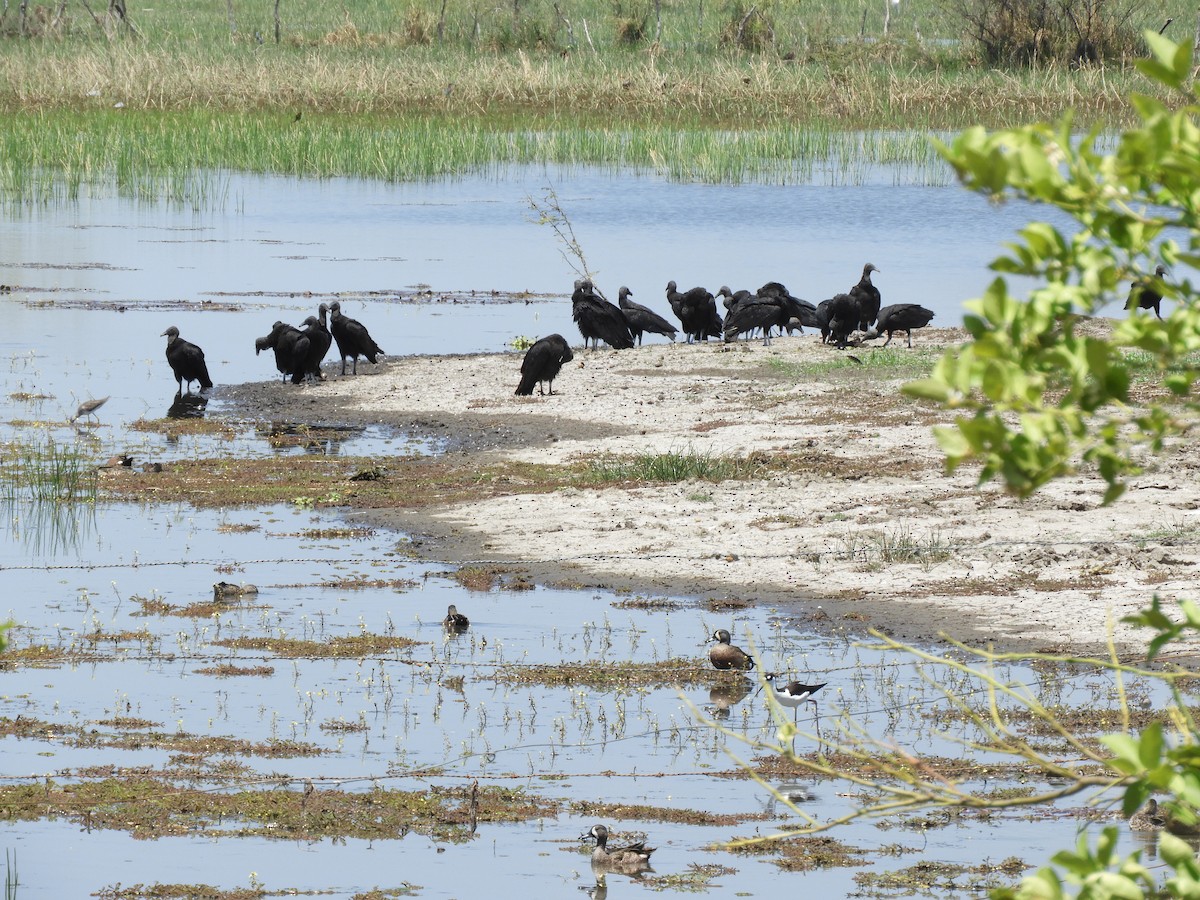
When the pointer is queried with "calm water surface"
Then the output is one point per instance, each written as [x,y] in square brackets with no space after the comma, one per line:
[94,285]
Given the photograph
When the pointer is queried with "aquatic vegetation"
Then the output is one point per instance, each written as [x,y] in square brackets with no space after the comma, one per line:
[149,807]
[46,471]
[618,675]
[345,647]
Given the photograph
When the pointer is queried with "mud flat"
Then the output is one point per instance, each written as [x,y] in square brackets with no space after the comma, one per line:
[854,524]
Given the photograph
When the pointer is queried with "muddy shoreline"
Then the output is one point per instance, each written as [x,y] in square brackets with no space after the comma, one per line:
[867,532]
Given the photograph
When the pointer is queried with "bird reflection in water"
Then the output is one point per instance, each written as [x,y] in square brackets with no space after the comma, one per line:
[187,406]
[728,694]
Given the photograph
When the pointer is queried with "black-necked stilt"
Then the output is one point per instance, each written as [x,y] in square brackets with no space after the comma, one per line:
[793,693]
[455,621]
[727,656]
[630,858]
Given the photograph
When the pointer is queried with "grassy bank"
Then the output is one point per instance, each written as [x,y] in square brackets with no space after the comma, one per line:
[409,96]
[151,127]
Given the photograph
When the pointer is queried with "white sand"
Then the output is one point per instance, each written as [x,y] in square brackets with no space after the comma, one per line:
[823,543]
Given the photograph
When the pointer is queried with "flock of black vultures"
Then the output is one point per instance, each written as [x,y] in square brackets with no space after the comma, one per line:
[299,352]
[771,306]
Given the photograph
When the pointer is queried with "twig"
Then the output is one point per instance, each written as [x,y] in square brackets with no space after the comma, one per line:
[550,212]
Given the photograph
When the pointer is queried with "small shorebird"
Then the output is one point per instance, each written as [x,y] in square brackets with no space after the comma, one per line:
[727,656]
[1148,818]
[630,859]
[88,408]
[793,693]
[455,621]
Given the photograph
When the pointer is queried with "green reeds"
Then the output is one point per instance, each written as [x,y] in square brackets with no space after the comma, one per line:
[46,472]
[184,157]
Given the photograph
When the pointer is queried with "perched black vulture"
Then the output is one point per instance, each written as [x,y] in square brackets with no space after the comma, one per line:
[353,339]
[696,310]
[319,340]
[804,312]
[901,317]
[642,318]
[868,298]
[1145,294]
[542,362]
[186,361]
[845,313]
[732,298]
[764,311]
[291,346]
[599,320]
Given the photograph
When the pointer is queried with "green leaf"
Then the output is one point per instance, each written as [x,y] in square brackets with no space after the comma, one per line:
[1151,744]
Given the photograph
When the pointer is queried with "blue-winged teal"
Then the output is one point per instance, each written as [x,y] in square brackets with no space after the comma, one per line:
[1148,818]
[455,621]
[630,858]
[793,693]
[1153,817]
[727,656]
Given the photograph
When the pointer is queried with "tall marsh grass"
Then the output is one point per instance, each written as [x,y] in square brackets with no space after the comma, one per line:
[46,472]
[185,156]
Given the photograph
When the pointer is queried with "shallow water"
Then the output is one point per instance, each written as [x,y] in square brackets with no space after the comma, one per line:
[96,283]
[634,746]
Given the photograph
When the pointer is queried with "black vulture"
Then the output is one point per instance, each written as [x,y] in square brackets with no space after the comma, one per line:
[868,298]
[1145,294]
[804,312]
[758,312]
[186,361]
[845,313]
[291,346]
[732,298]
[88,408]
[319,340]
[542,362]
[599,320]
[642,318]
[901,317]
[696,310]
[353,339]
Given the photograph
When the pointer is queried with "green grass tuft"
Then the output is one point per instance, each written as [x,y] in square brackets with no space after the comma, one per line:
[671,467]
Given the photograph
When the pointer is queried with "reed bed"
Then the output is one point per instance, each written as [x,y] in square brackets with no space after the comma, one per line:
[857,90]
[46,472]
[169,114]
[182,156]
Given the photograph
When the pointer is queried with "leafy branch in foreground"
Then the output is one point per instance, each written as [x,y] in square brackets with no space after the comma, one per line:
[1040,394]
[1007,726]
